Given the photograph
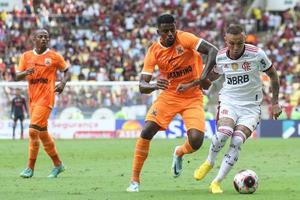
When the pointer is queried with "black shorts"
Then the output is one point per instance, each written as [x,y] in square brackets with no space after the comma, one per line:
[20,117]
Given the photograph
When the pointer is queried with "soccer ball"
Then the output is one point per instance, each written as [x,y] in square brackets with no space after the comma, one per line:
[245,181]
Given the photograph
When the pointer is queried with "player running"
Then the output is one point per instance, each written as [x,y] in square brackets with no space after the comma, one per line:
[240,99]
[177,55]
[40,66]
[18,105]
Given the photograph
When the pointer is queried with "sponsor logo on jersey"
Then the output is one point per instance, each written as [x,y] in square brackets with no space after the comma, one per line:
[39,80]
[48,61]
[179,73]
[237,80]
[246,66]
[245,55]
[179,50]
[221,58]
[234,66]
[263,63]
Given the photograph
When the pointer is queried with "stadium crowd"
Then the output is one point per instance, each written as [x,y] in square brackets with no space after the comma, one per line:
[107,40]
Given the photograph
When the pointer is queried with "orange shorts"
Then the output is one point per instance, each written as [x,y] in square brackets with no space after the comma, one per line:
[39,115]
[164,109]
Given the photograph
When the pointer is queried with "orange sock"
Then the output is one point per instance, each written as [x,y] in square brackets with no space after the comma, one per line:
[186,148]
[140,155]
[34,146]
[49,147]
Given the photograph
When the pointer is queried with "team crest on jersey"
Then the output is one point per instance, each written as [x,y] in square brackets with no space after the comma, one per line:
[246,66]
[234,66]
[48,61]
[179,50]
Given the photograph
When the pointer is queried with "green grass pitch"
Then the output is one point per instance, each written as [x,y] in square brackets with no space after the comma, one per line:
[100,169]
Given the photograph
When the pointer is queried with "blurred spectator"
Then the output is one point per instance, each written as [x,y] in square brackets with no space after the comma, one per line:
[107,40]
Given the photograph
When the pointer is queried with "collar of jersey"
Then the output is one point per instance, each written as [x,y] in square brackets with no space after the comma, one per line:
[34,51]
[227,54]
[163,45]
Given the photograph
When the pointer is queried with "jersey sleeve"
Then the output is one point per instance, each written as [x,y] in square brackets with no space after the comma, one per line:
[189,40]
[149,62]
[218,68]
[22,66]
[264,62]
[61,63]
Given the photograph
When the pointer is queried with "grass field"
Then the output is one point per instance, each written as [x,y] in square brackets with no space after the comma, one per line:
[100,169]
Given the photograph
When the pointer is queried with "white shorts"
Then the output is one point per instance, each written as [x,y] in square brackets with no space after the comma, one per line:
[248,116]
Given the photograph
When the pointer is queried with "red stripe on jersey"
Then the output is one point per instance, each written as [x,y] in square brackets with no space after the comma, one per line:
[222,51]
[254,51]
[251,48]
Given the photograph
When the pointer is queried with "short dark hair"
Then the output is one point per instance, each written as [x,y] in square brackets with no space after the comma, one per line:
[165,19]
[234,29]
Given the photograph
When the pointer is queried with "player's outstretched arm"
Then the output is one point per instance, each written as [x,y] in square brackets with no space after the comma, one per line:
[211,51]
[146,87]
[60,87]
[23,74]
[276,109]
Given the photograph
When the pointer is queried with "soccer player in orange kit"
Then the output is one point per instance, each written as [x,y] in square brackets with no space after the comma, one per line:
[177,55]
[39,66]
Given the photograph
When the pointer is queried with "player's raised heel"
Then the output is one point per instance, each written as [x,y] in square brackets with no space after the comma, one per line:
[176,164]
[133,187]
[201,172]
[27,173]
[215,188]
[56,170]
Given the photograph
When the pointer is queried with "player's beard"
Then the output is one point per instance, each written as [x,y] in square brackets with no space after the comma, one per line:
[170,41]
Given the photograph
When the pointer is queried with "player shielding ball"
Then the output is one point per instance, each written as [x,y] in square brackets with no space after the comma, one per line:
[39,66]
[240,99]
[177,55]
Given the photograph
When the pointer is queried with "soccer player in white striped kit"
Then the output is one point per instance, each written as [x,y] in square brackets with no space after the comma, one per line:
[240,99]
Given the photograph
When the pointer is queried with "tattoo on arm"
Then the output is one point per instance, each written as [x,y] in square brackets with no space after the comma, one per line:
[272,73]
[211,51]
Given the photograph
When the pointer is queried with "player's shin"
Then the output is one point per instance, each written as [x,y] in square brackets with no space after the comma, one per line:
[14,130]
[186,148]
[22,136]
[231,156]
[218,142]
[49,147]
[34,145]
[140,155]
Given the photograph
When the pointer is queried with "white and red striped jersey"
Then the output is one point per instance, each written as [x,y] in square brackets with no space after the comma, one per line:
[242,85]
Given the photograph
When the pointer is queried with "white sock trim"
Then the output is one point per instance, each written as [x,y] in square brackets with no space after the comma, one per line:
[240,134]
[226,130]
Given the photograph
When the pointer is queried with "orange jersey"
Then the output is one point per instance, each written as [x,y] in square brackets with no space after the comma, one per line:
[42,81]
[180,63]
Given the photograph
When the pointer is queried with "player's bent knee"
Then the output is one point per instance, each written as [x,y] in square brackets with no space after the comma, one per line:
[196,138]
[149,130]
